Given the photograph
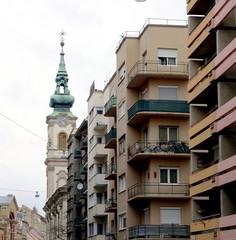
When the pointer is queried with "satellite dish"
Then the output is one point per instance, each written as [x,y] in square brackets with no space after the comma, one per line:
[80,186]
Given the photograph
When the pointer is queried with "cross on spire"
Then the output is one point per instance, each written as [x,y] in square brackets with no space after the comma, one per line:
[62,34]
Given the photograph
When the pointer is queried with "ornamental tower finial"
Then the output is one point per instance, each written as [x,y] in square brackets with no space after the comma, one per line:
[62,34]
[61,101]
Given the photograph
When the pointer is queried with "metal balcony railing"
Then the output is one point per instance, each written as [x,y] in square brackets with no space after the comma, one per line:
[173,106]
[145,189]
[111,236]
[109,104]
[77,153]
[111,168]
[111,135]
[110,203]
[164,230]
[154,67]
[173,147]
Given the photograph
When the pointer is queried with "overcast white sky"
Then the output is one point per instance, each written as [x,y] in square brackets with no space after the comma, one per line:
[29,62]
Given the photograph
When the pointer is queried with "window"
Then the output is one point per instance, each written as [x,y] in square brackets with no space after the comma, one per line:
[99,169]
[91,229]
[62,141]
[121,109]
[99,198]
[167,56]
[170,215]
[100,230]
[99,139]
[122,183]
[122,145]
[91,200]
[168,92]
[122,73]
[94,112]
[122,221]
[168,133]
[169,175]
[99,110]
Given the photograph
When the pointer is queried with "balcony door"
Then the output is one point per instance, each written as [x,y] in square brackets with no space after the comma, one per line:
[146,216]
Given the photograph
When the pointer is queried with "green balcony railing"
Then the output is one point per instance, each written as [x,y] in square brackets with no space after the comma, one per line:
[157,189]
[174,106]
[110,135]
[159,231]
[109,104]
[77,153]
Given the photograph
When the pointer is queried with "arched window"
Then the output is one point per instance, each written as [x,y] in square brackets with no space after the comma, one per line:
[62,141]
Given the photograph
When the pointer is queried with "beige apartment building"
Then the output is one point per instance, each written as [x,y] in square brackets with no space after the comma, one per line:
[143,134]
[97,158]
[212,91]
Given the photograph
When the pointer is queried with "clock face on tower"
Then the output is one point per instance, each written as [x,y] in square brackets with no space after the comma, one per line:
[62,120]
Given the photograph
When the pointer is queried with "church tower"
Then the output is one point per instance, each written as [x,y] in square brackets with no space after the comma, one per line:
[60,123]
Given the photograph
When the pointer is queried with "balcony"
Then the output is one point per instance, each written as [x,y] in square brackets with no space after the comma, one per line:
[98,181]
[77,153]
[199,7]
[145,149]
[111,205]
[111,172]
[110,107]
[98,210]
[158,231]
[143,70]
[148,108]
[111,236]
[76,222]
[141,191]
[84,144]
[77,175]
[110,139]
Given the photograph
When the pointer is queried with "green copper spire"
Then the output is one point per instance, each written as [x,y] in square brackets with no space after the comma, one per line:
[61,101]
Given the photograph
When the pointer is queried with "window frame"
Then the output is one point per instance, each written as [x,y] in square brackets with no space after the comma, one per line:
[121,109]
[166,55]
[168,175]
[62,141]
[122,145]
[121,73]
[168,133]
[122,221]
[122,183]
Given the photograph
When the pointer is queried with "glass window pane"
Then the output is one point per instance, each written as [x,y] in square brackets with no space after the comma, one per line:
[173,134]
[163,134]
[171,61]
[163,177]
[173,176]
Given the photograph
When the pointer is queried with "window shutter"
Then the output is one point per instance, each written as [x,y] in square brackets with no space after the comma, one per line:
[164,52]
[170,215]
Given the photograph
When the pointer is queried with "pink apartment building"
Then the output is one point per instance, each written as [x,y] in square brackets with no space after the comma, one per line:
[212,99]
